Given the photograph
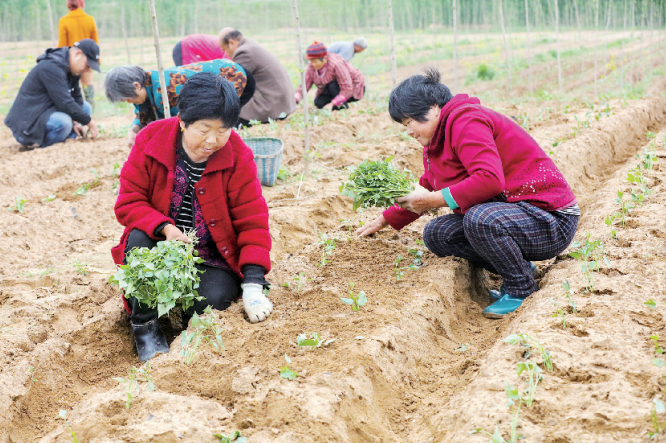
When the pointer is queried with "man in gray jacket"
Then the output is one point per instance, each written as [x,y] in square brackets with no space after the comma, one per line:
[274,93]
[49,107]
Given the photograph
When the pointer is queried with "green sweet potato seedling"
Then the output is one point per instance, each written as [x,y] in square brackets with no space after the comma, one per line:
[376,184]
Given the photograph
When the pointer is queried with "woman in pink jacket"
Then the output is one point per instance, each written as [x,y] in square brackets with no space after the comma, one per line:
[510,203]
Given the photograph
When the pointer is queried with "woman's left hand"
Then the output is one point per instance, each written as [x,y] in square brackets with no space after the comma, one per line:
[419,200]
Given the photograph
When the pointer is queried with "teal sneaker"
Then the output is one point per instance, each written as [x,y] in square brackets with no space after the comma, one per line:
[503,306]
[496,295]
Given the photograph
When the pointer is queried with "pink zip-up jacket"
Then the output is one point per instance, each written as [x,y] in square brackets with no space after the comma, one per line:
[480,155]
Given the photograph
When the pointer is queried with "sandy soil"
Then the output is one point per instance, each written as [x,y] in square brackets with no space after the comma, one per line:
[64,335]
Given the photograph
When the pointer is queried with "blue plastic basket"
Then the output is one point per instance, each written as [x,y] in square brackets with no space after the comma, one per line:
[267,155]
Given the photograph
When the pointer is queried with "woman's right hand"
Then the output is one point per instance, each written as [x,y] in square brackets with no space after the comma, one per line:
[173,233]
[131,135]
[376,225]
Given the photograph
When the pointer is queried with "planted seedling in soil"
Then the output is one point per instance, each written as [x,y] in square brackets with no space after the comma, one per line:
[569,295]
[235,437]
[658,407]
[299,279]
[50,198]
[163,277]
[312,340]
[530,342]
[376,184]
[559,313]
[134,376]
[515,402]
[625,207]
[63,415]
[534,376]
[355,300]
[286,372]
[609,222]
[327,244]
[18,206]
[589,254]
[206,331]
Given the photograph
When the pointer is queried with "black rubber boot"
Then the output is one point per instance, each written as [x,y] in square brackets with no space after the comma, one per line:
[149,340]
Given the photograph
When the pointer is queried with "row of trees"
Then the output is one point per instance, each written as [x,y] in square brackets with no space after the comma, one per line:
[25,20]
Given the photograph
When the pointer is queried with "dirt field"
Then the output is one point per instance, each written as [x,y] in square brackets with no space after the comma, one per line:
[419,363]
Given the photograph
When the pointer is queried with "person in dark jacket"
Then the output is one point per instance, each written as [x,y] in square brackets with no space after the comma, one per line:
[49,107]
[194,172]
[510,202]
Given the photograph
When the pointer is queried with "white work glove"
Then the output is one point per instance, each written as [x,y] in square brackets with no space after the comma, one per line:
[257,306]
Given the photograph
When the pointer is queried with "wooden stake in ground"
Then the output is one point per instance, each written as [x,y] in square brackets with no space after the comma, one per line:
[529,49]
[455,49]
[123,27]
[580,44]
[606,40]
[304,101]
[160,65]
[506,48]
[596,27]
[394,63]
[54,41]
[557,46]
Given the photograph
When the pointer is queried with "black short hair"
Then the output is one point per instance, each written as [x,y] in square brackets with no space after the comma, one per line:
[414,97]
[208,96]
[232,35]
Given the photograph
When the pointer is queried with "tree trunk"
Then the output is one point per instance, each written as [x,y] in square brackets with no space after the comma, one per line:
[394,63]
[580,44]
[506,48]
[557,46]
[124,29]
[160,65]
[54,39]
[306,156]
[454,16]
[529,49]
[596,27]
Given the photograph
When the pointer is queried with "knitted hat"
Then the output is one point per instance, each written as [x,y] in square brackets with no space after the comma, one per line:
[316,50]
[74,4]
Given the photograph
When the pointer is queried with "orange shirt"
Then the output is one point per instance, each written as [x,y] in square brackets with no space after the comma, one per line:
[76,26]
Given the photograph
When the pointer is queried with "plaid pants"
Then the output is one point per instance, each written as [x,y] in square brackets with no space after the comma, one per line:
[503,238]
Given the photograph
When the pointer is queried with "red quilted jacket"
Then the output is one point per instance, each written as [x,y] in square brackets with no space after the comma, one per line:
[229,193]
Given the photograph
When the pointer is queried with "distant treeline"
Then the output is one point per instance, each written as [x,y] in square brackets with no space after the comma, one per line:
[25,20]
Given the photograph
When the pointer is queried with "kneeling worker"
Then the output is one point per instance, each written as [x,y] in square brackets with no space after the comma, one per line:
[49,107]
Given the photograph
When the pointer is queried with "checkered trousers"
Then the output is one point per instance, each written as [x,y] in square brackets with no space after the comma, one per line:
[503,238]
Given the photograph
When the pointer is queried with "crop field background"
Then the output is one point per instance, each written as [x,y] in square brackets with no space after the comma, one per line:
[418,362]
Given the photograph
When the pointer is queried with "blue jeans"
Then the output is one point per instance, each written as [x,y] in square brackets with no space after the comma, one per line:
[58,128]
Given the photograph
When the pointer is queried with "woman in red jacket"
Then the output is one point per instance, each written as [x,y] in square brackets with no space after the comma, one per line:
[194,172]
[511,204]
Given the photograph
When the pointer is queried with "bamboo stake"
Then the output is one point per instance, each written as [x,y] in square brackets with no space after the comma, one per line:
[54,41]
[506,49]
[529,49]
[123,27]
[596,27]
[394,64]
[580,44]
[160,65]
[606,40]
[557,46]
[455,49]
[306,156]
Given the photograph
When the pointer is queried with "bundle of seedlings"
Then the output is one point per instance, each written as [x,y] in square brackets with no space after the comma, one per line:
[164,276]
[377,184]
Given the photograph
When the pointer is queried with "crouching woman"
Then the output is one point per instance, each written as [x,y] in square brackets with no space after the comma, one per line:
[510,203]
[194,172]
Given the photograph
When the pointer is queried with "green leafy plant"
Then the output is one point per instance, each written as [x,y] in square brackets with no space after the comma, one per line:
[299,279]
[355,300]
[533,372]
[625,207]
[376,184]
[50,198]
[81,268]
[286,372]
[115,172]
[609,222]
[234,437]
[312,340]
[569,295]
[284,174]
[206,331]
[134,376]
[514,403]
[485,72]
[18,206]
[589,254]
[559,313]
[399,271]
[530,342]
[658,407]
[83,189]
[63,416]
[462,348]
[328,245]
[164,276]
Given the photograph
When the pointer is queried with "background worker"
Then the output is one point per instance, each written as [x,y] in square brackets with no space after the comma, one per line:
[197,48]
[274,94]
[337,81]
[132,84]
[348,49]
[76,26]
[49,108]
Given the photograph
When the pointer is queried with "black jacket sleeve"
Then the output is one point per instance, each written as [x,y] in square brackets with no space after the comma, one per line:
[56,83]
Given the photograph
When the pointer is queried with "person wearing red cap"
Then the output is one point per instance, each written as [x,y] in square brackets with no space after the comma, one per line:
[338,82]
[74,27]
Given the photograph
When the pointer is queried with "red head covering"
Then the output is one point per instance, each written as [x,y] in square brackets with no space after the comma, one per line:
[316,50]
[74,4]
